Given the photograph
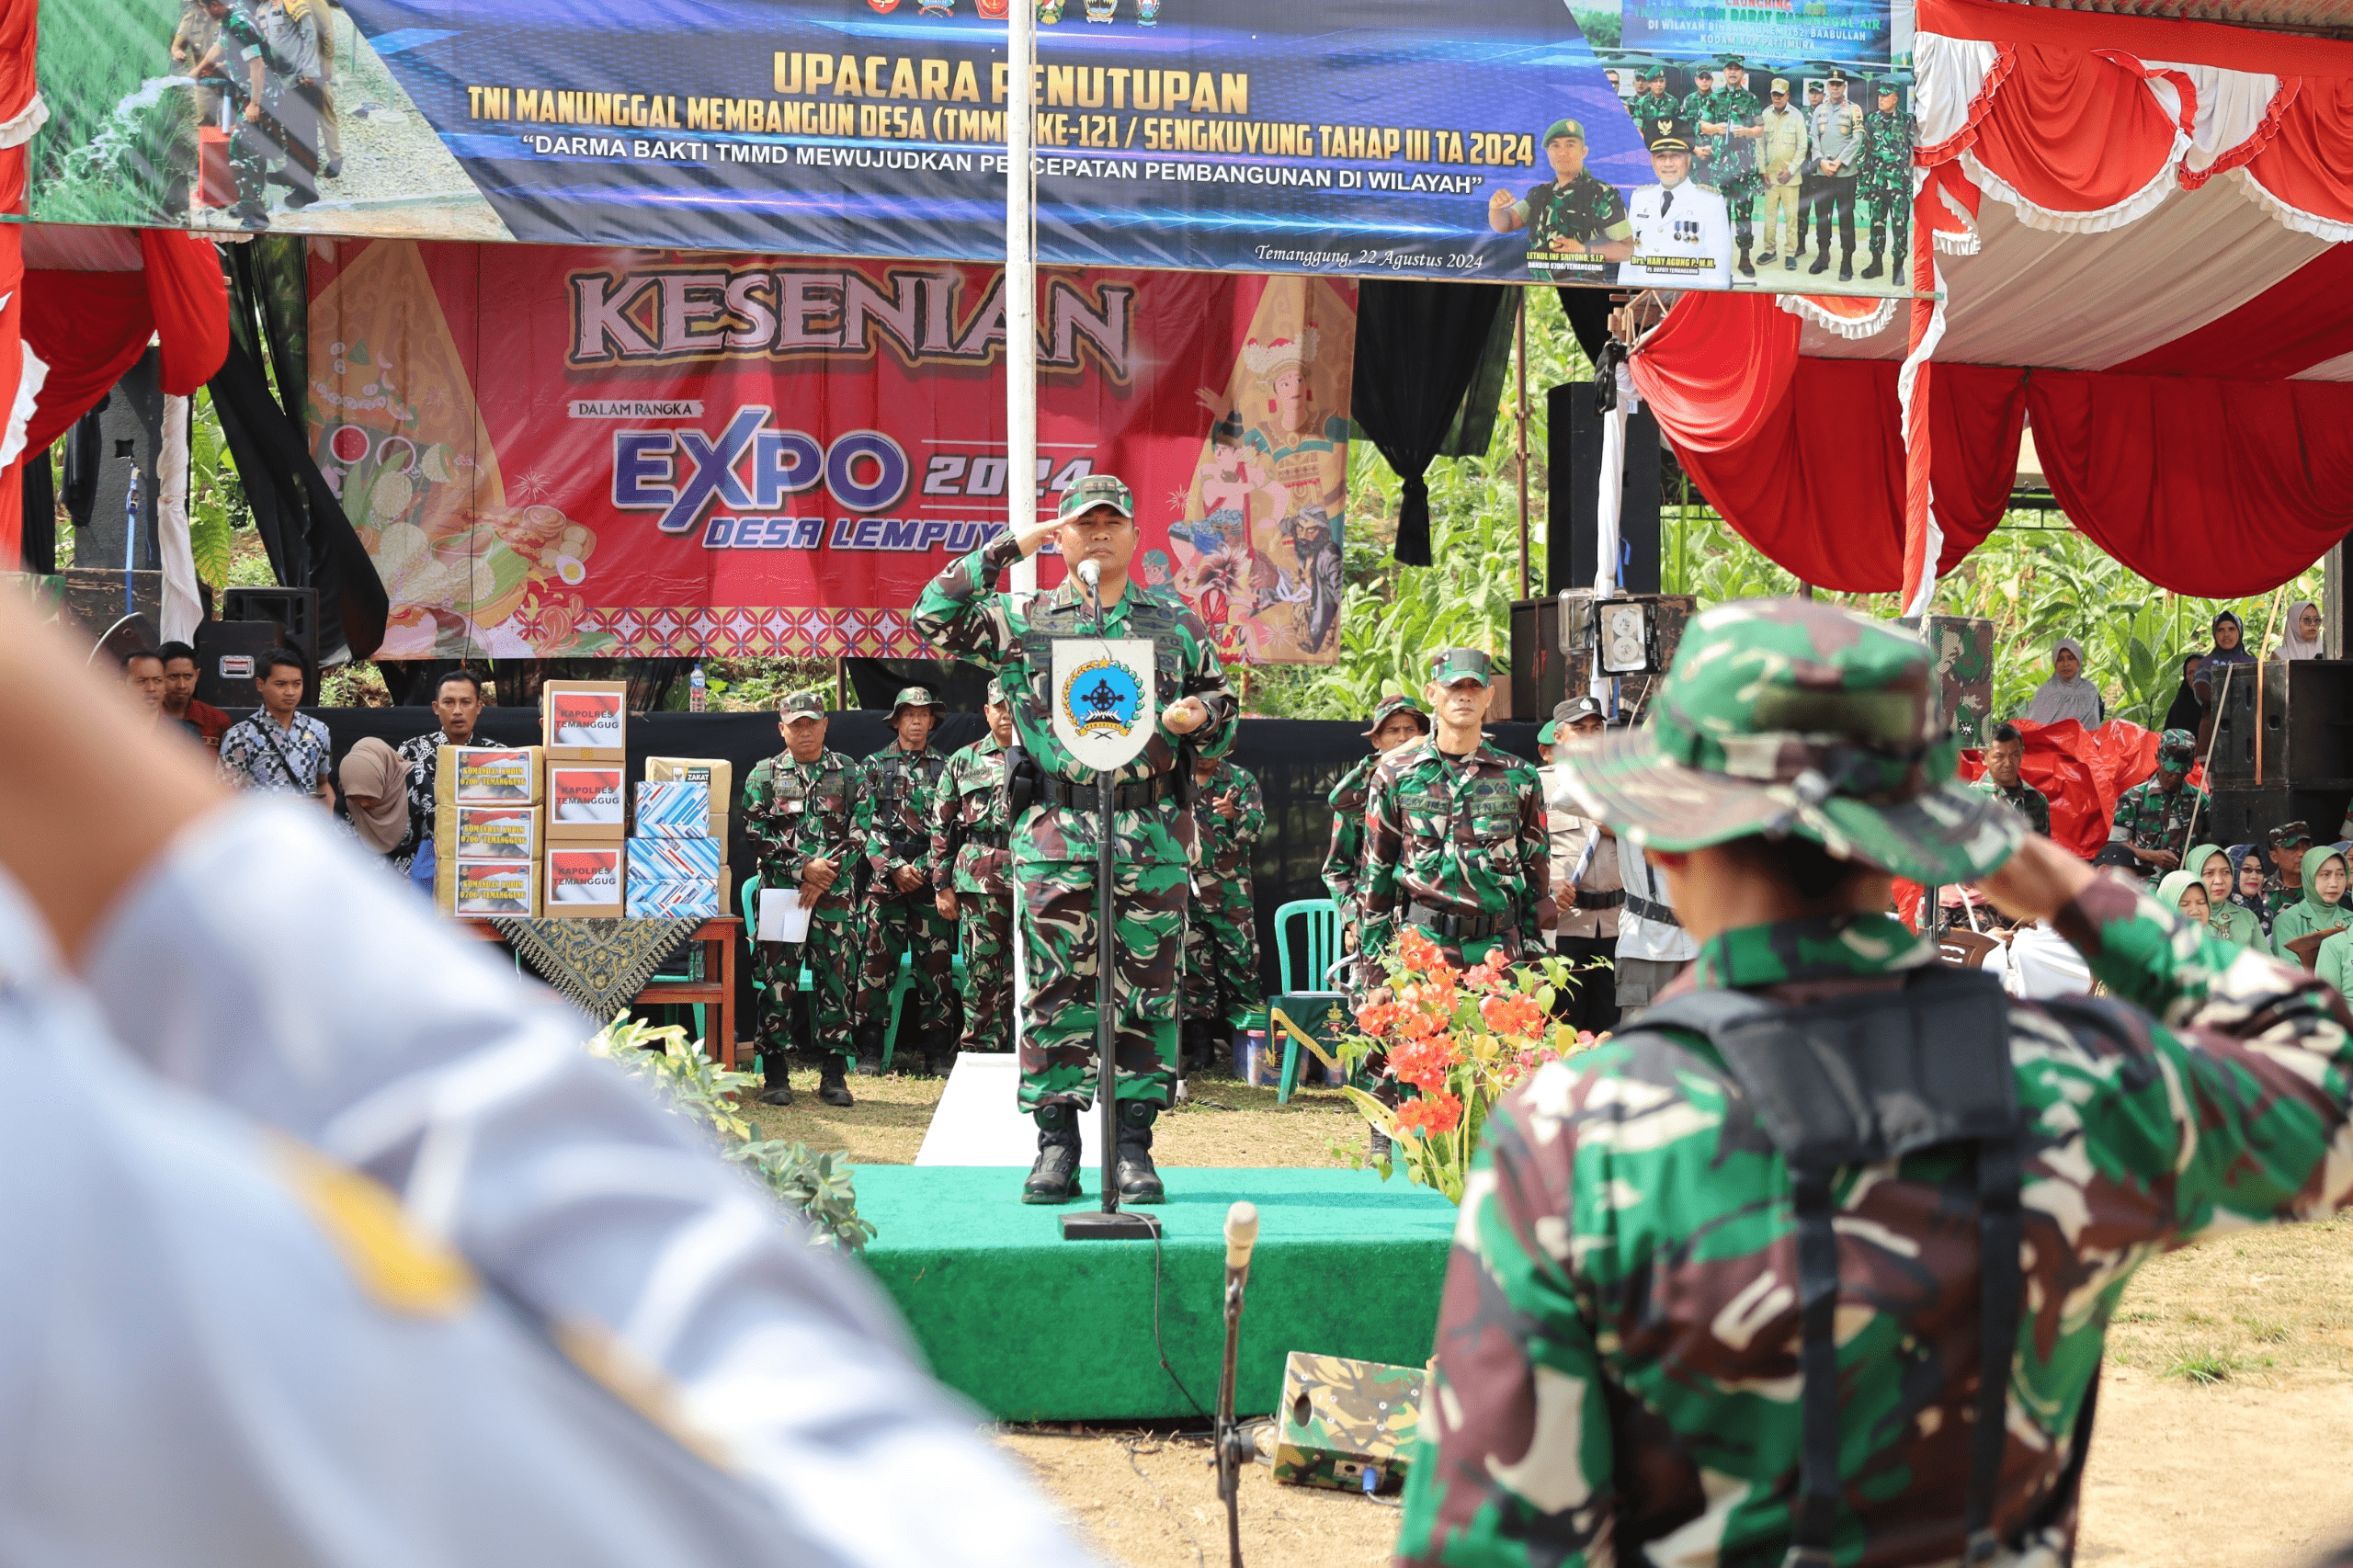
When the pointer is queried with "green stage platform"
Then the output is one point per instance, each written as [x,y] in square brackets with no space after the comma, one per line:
[1034,1328]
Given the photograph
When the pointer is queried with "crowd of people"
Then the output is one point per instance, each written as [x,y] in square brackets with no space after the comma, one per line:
[265,73]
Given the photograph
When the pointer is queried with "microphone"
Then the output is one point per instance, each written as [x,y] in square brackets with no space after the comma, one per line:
[1241,1236]
[1090,574]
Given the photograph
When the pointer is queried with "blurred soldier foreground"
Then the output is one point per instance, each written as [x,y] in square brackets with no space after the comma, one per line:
[350,1253]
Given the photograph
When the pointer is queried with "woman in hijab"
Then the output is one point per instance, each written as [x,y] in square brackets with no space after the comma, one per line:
[375,789]
[2067,695]
[2186,711]
[2250,877]
[2230,648]
[2212,867]
[2321,909]
[2302,640]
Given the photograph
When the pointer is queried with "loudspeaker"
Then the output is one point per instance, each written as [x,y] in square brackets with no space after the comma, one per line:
[1544,670]
[130,440]
[294,611]
[2245,815]
[1347,1424]
[225,654]
[1574,453]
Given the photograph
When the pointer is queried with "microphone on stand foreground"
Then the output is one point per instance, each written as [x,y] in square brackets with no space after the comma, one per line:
[1090,574]
[1233,1448]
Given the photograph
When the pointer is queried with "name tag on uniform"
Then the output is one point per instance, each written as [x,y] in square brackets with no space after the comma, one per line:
[790,807]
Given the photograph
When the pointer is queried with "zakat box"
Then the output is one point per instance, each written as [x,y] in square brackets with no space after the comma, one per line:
[680,809]
[486,776]
[716,772]
[585,882]
[674,859]
[585,721]
[492,887]
[586,803]
[487,833]
[674,900]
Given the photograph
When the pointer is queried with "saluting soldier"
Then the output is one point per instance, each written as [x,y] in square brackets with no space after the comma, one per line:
[797,813]
[1222,925]
[893,818]
[1702,1306]
[2152,817]
[1730,126]
[1054,823]
[1577,223]
[969,872]
[1397,719]
[1456,838]
[1886,180]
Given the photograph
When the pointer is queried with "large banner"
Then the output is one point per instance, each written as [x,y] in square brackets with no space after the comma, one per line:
[599,452]
[1397,138]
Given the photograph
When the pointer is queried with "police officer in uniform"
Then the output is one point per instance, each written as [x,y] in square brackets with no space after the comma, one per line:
[969,860]
[1836,133]
[1729,125]
[1811,1382]
[797,813]
[893,819]
[1396,721]
[1577,223]
[1682,230]
[1886,179]
[1222,984]
[1054,823]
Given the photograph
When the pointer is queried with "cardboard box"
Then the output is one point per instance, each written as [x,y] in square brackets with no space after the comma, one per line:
[717,772]
[585,721]
[675,860]
[586,802]
[486,833]
[489,887]
[675,901]
[486,776]
[585,882]
[673,809]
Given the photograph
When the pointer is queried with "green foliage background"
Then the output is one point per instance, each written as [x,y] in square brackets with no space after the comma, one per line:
[120,137]
[2035,578]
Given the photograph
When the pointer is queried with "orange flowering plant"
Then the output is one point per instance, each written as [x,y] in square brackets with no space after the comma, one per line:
[1456,1038]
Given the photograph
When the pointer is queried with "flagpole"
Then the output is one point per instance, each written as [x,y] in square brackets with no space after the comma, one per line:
[1020,363]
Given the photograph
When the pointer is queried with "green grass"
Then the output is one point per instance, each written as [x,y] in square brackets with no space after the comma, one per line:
[118,139]
[2204,1368]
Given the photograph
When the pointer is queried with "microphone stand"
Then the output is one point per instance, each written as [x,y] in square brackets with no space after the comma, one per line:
[1233,1448]
[1109,1224]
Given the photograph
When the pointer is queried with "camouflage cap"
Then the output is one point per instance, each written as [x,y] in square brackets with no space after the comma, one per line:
[2288,835]
[801,705]
[1392,706]
[1735,63]
[1789,716]
[1457,665]
[2176,749]
[1096,490]
[912,696]
[995,698]
[1561,127]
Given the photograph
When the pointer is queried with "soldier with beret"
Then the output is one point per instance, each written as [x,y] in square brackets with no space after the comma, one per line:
[1577,223]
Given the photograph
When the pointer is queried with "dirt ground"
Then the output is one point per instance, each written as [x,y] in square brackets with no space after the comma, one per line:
[2225,1423]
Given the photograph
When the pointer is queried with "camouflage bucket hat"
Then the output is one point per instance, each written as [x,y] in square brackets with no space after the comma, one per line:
[995,698]
[1392,706]
[801,705]
[2176,749]
[1096,490]
[912,696]
[1784,716]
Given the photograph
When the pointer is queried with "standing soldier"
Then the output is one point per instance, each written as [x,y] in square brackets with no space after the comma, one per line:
[1398,719]
[1699,104]
[893,818]
[1221,925]
[1886,180]
[1455,829]
[239,60]
[1577,223]
[1053,804]
[1705,1307]
[2152,817]
[1731,128]
[968,873]
[797,813]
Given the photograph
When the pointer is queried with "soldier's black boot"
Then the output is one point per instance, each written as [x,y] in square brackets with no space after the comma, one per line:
[868,1044]
[1055,1177]
[1821,260]
[832,1084]
[1873,269]
[1747,268]
[1138,1183]
[1845,266]
[939,1053]
[1192,1046]
[776,1088]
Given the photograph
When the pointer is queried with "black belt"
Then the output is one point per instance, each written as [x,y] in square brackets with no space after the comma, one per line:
[1643,909]
[1609,900]
[1133,795]
[1458,928]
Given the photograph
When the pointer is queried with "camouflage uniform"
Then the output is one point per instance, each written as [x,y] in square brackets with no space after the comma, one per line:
[2026,800]
[241,41]
[1054,845]
[1343,870]
[1619,1353]
[794,813]
[1698,106]
[1732,166]
[2148,818]
[969,859]
[1886,184]
[1221,925]
[1587,210]
[1458,847]
[893,822]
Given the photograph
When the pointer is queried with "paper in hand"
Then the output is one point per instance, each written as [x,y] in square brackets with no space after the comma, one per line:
[783,917]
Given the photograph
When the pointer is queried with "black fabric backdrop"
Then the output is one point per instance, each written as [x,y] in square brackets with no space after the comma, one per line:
[1296,761]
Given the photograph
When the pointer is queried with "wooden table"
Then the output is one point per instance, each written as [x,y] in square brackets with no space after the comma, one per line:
[716,989]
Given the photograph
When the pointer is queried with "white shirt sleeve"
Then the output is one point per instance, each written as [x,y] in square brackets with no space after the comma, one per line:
[265,965]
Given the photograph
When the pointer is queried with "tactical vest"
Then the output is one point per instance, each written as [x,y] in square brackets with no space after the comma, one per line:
[1873,1077]
[893,783]
[1148,616]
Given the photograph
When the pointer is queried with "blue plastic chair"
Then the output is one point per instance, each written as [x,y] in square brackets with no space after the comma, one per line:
[1323,945]
[802,983]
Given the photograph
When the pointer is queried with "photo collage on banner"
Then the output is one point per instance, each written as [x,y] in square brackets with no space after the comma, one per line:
[616,452]
[1518,141]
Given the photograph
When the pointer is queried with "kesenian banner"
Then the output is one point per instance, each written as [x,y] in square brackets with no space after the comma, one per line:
[553,451]
[1396,138]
